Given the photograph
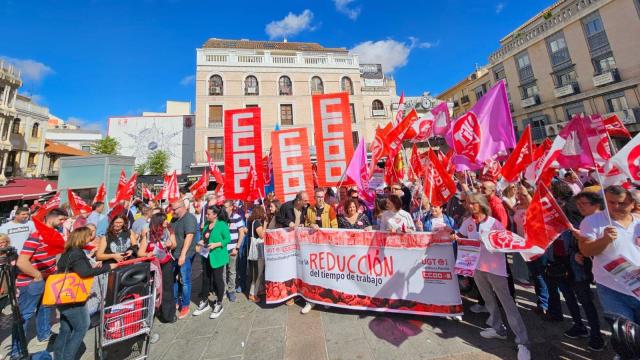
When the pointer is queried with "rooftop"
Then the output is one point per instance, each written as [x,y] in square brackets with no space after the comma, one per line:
[269,45]
[539,15]
[53,147]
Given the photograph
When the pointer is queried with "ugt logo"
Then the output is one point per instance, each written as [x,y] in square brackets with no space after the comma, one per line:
[466,136]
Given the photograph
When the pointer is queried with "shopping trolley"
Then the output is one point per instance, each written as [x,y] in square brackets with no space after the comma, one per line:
[130,318]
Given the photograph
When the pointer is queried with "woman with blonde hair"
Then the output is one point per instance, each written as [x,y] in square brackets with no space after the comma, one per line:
[74,318]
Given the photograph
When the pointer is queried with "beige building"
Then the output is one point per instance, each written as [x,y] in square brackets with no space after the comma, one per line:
[465,93]
[576,56]
[27,139]
[9,83]
[280,78]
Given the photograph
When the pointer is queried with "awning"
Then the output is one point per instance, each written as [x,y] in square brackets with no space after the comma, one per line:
[26,189]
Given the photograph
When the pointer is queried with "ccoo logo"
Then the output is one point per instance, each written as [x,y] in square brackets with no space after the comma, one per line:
[633,161]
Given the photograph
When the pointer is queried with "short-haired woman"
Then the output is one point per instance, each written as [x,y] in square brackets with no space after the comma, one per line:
[352,219]
[395,219]
[74,318]
[491,275]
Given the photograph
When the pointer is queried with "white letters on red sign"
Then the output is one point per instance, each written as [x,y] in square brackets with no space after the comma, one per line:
[243,149]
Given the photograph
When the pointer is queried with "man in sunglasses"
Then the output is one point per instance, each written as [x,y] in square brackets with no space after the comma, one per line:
[185,226]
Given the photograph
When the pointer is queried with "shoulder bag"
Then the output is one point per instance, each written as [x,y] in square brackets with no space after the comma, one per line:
[66,289]
[256,248]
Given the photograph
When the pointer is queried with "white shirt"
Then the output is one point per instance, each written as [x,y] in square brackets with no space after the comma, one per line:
[495,263]
[18,232]
[394,221]
[625,244]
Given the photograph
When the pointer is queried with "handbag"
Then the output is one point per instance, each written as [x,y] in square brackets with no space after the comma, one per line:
[256,248]
[66,289]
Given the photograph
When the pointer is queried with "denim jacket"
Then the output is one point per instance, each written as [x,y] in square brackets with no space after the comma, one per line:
[428,223]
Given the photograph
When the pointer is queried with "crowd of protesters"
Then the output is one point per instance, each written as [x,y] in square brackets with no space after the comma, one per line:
[219,235]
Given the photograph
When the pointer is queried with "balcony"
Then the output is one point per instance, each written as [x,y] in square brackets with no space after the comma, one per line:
[378,112]
[266,59]
[464,100]
[626,116]
[606,78]
[597,41]
[530,101]
[560,57]
[565,90]
[525,73]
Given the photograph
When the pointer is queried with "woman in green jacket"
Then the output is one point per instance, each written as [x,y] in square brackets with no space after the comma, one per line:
[216,236]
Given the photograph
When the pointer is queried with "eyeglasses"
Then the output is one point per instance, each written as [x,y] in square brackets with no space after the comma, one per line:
[177,207]
[396,189]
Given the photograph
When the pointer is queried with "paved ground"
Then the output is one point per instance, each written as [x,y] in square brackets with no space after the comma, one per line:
[250,331]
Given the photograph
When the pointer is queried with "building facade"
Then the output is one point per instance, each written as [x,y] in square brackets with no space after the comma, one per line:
[280,78]
[9,83]
[576,56]
[27,139]
[77,138]
[463,95]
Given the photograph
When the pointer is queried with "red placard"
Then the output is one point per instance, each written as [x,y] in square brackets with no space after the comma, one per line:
[334,144]
[291,163]
[242,149]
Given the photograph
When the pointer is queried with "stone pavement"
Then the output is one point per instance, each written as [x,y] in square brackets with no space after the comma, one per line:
[249,331]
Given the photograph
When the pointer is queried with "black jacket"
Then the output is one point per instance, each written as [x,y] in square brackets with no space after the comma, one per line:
[76,261]
[285,215]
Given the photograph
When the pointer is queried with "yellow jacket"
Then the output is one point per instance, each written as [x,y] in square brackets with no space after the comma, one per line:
[328,217]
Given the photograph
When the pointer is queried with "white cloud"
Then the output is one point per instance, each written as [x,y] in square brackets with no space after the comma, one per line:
[38,99]
[86,124]
[343,7]
[31,70]
[290,25]
[391,54]
[499,8]
[187,80]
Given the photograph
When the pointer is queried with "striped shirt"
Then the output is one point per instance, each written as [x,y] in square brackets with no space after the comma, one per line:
[35,249]
[235,224]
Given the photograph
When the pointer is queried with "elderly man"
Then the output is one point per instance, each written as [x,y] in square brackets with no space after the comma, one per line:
[293,212]
[607,235]
[184,226]
[498,210]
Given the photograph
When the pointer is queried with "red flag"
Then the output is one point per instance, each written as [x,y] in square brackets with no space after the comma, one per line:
[466,136]
[146,193]
[416,164]
[159,196]
[396,135]
[267,164]
[53,203]
[122,181]
[615,127]
[439,186]
[254,185]
[378,147]
[215,172]
[390,175]
[199,188]
[400,113]
[76,204]
[171,191]
[50,237]
[421,130]
[100,194]
[491,171]
[544,220]
[520,158]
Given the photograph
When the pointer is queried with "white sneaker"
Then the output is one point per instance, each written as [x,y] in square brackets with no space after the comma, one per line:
[523,353]
[203,307]
[491,333]
[307,307]
[217,311]
[477,309]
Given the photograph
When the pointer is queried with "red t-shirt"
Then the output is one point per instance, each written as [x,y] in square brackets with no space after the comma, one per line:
[498,211]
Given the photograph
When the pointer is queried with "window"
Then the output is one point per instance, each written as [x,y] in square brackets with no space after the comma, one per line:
[538,130]
[346,85]
[566,78]
[215,146]
[573,109]
[352,112]
[524,67]
[377,108]
[530,90]
[480,91]
[499,73]
[215,85]
[593,25]
[316,86]
[616,102]
[558,51]
[215,115]
[604,63]
[86,148]
[596,36]
[34,130]
[355,137]
[31,161]
[251,106]
[523,61]
[16,126]
[284,86]
[286,114]
[251,85]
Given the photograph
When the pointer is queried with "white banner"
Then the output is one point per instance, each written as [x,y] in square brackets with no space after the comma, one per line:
[368,270]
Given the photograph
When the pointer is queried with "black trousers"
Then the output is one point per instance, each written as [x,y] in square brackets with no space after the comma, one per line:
[218,283]
[206,279]
[168,305]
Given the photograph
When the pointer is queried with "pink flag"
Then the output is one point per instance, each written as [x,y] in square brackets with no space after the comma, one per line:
[570,149]
[495,129]
[358,172]
[442,120]
[627,159]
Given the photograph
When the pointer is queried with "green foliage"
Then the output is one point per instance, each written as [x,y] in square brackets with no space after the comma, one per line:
[157,164]
[106,146]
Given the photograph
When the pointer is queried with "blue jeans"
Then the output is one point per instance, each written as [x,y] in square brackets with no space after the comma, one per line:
[29,304]
[74,323]
[182,288]
[616,304]
[536,271]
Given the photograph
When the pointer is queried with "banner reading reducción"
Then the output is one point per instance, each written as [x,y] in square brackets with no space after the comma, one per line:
[366,270]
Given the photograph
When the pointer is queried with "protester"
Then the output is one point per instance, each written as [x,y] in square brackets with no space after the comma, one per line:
[12,214]
[256,231]
[119,244]
[491,274]
[488,188]
[606,235]
[292,213]
[19,228]
[395,219]
[274,207]
[320,215]
[184,226]
[98,218]
[237,230]
[571,179]
[509,198]
[34,265]
[215,237]
[436,220]
[74,318]
[353,219]
[159,242]
[140,226]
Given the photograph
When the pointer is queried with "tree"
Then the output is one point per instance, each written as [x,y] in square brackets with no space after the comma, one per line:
[141,168]
[106,146]
[157,163]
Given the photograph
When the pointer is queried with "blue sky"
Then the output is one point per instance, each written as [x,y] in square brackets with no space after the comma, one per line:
[90,59]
